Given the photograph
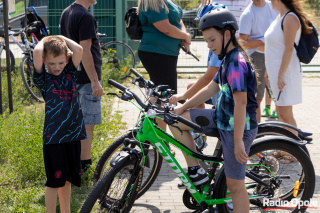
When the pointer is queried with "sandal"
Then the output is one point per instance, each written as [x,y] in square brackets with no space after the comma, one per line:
[288,158]
[278,154]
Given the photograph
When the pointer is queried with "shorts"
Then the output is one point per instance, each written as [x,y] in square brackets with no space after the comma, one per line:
[232,168]
[62,163]
[258,61]
[90,105]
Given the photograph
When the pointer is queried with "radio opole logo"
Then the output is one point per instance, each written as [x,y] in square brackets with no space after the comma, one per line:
[292,204]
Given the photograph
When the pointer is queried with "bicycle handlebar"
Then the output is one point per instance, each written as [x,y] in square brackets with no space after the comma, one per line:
[146,107]
[189,123]
[125,89]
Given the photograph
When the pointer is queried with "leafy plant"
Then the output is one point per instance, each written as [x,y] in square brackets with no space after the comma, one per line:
[116,60]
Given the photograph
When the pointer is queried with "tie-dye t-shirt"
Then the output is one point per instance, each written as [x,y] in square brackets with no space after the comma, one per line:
[235,74]
[63,114]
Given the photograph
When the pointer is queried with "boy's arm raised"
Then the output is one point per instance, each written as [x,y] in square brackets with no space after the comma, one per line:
[37,57]
[76,49]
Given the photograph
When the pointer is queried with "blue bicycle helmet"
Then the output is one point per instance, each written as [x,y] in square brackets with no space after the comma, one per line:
[206,8]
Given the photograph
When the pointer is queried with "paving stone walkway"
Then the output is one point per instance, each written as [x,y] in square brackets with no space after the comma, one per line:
[164,196]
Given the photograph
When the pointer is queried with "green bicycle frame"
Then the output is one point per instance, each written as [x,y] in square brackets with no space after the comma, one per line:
[152,133]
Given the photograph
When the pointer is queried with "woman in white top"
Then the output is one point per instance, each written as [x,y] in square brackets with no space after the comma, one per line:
[282,63]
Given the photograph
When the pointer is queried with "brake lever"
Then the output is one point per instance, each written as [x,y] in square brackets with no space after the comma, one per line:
[177,128]
[126,96]
[111,93]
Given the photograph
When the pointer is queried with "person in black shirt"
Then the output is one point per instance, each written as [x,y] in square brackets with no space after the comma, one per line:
[54,75]
[78,24]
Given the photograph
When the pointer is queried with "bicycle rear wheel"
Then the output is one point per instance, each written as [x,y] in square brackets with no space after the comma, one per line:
[117,58]
[288,173]
[115,192]
[150,170]
[27,69]
[3,60]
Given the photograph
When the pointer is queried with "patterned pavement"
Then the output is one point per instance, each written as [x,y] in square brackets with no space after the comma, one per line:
[164,196]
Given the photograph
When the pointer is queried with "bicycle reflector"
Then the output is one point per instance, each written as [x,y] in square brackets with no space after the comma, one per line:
[296,189]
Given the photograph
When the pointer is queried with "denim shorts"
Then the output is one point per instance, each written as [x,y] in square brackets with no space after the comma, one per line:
[232,168]
[91,106]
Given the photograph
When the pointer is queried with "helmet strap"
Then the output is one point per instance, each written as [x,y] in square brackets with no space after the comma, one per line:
[224,48]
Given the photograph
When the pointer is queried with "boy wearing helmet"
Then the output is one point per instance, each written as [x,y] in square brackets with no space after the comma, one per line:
[235,115]
[213,66]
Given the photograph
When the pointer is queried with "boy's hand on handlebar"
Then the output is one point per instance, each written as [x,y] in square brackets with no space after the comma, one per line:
[178,110]
[240,152]
[175,98]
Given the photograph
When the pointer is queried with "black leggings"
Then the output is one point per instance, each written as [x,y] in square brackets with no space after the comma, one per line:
[162,68]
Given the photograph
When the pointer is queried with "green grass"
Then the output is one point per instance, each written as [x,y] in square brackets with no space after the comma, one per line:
[22,175]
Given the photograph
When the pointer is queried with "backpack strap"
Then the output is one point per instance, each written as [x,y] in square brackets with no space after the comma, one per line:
[294,43]
[283,19]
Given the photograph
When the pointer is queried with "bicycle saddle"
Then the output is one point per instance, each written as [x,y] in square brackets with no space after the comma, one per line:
[212,133]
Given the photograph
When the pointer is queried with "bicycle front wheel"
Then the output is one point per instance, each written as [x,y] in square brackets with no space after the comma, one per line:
[27,69]
[288,175]
[115,191]
[117,59]
[3,60]
[150,171]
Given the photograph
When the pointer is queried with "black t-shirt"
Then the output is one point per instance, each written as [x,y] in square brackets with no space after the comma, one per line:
[63,115]
[78,24]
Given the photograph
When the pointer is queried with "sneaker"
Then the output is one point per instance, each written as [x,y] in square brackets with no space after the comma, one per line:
[265,112]
[274,114]
[199,178]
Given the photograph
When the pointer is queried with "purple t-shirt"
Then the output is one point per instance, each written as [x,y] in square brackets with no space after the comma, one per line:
[235,74]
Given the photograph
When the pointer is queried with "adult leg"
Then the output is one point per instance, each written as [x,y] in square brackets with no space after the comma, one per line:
[268,98]
[86,144]
[285,114]
[162,70]
[64,197]
[239,194]
[260,69]
[91,109]
[258,115]
[51,199]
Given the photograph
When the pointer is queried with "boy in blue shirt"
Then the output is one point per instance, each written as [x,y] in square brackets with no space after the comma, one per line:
[54,75]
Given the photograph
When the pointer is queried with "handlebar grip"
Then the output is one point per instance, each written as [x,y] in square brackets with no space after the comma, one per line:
[189,123]
[136,73]
[123,88]
[117,85]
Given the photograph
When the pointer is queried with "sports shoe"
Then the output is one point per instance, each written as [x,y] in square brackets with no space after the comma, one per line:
[265,112]
[274,114]
[199,178]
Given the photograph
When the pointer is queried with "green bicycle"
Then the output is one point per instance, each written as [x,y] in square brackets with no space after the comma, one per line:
[267,179]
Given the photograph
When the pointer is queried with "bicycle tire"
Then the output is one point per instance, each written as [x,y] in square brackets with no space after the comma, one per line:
[27,69]
[307,174]
[149,174]
[106,192]
[117,58]
[3,61]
